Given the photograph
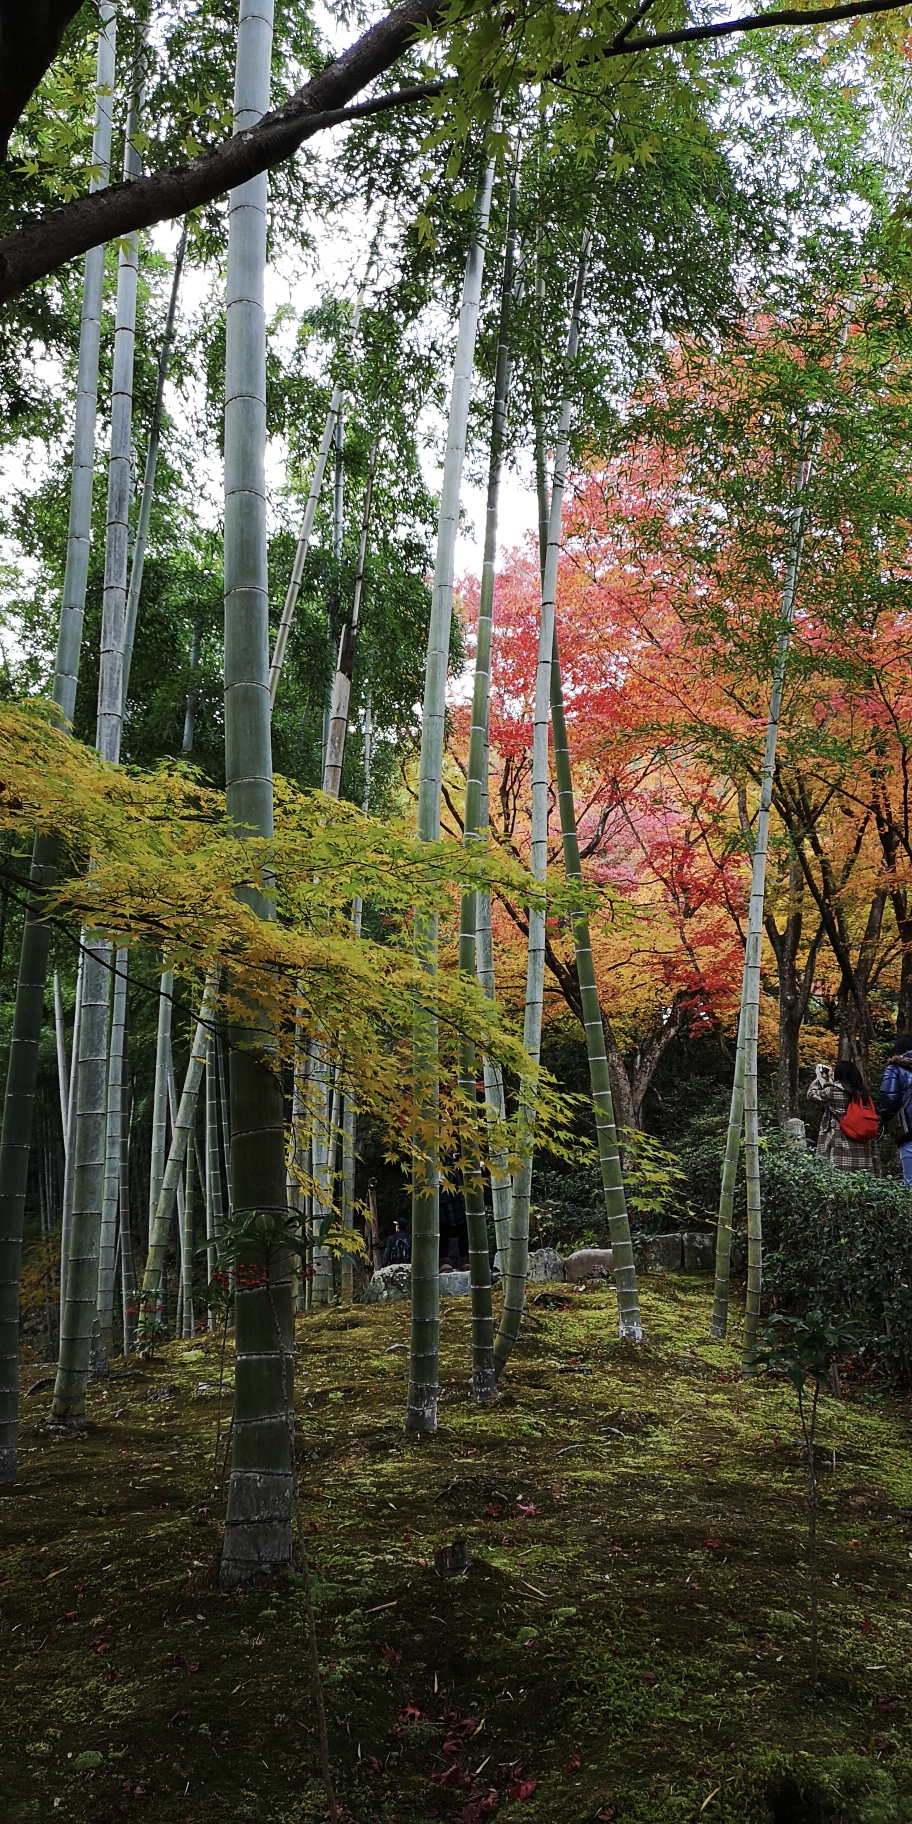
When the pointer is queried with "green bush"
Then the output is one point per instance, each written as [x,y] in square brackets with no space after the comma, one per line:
[843,1241]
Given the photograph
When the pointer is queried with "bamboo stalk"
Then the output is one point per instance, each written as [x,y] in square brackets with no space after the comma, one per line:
[421,1410]
[113,1145]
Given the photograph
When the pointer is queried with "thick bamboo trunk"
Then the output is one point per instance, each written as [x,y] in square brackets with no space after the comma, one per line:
[88,1181]
[345,663]
[63,1063]
[160,1092]
[518,1256]
[22,1068]
[188,1323]
[113,1145]
[69,1144]
[421,1410]
[257,1538]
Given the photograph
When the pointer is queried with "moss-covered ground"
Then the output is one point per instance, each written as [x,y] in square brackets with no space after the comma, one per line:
[630,1640]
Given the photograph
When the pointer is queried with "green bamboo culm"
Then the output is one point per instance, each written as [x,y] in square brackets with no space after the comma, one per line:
[113,1145]
[629,1321]
[421,1409]
[81,1290]
[214,1203]
[484,1381]
[744,1089]
[182,1128]
[518,1255]
[22,1068]
[257,1539]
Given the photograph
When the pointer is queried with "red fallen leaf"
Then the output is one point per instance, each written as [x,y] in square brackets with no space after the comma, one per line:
[650,1678]
[194,1665]
[685,1462]
[104,1646]
[408,1537]
[313,1526]
[526,1508]
[373,1762]
[712,1545]
[572,1766]
[477,1810]
[866,1627]
[78,1589]
[606,1813]
[694,1584]
[70,1615]
[393,1654]
[521,1789]
[454,1776]
[885,1704]
[410,1712]
[492,1512]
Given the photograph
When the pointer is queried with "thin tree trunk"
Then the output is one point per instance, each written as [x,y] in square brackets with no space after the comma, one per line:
[160,1092]
[188,1324]
[629,1321]
[88,1182]
[744,1091]
[182,1129]
[214,1203]
[421,1411]
[310,508]
[148,487]
[113,1145]
[69,1143]
[63,1063]
[190,708]
[345,664]
[518,1258]
[258,1537]
[222,1070]
[127,1264]
[484,1381]
[347,1198]
[22,1068]
[179,1192]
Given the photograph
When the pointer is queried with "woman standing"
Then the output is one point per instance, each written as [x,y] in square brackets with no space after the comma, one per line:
[841,1089]
[896,1095]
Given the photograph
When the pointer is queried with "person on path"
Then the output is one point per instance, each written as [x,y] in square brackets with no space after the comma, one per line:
[397,1248]
[454,1230]
[837,1088]
[896,1093]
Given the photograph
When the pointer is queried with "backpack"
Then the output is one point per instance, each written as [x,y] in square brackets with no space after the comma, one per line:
[860,1121]
[400,1250]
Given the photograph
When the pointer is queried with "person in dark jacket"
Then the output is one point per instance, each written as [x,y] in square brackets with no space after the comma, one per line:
[896,1093]
[397,1248]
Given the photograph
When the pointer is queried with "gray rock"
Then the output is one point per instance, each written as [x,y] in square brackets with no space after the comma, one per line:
[699,1251]
[545,1264]
[455,1285]
[794,1133]
[389,1285]
[663,1254]
[590,1263]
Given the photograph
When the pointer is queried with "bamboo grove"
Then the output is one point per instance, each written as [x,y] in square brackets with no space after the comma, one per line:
[353,851]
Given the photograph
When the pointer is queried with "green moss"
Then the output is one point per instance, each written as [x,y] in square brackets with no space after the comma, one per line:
[649,1618]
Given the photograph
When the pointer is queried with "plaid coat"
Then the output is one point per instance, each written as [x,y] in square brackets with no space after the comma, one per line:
[832,1143]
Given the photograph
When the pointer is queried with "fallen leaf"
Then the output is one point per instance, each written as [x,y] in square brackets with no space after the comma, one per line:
[527,1508]
[454,1776]
[650,1678]
[521,1789]
[712,1545]
[392,1653]
[572,1766]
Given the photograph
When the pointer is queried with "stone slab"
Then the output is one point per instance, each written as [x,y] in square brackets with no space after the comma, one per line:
[545,1264]
[699,1251]
[590,1263]
[664,1254]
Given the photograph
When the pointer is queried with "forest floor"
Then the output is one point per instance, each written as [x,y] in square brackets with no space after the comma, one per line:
[630,1641]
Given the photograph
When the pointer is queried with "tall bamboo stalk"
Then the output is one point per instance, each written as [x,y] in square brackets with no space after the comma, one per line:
[113,1146]
[518,1257]
[345,662]
[69,1144]
[744,1089]
[629,1321]
[160,1091]
[148,487]
[258,1522]
[88,1178]
[188,1324]
[214,1203]
[177,1152]
[22,1068]
[484,1381]
[421,1410]
[125,1232]
[63,1063]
